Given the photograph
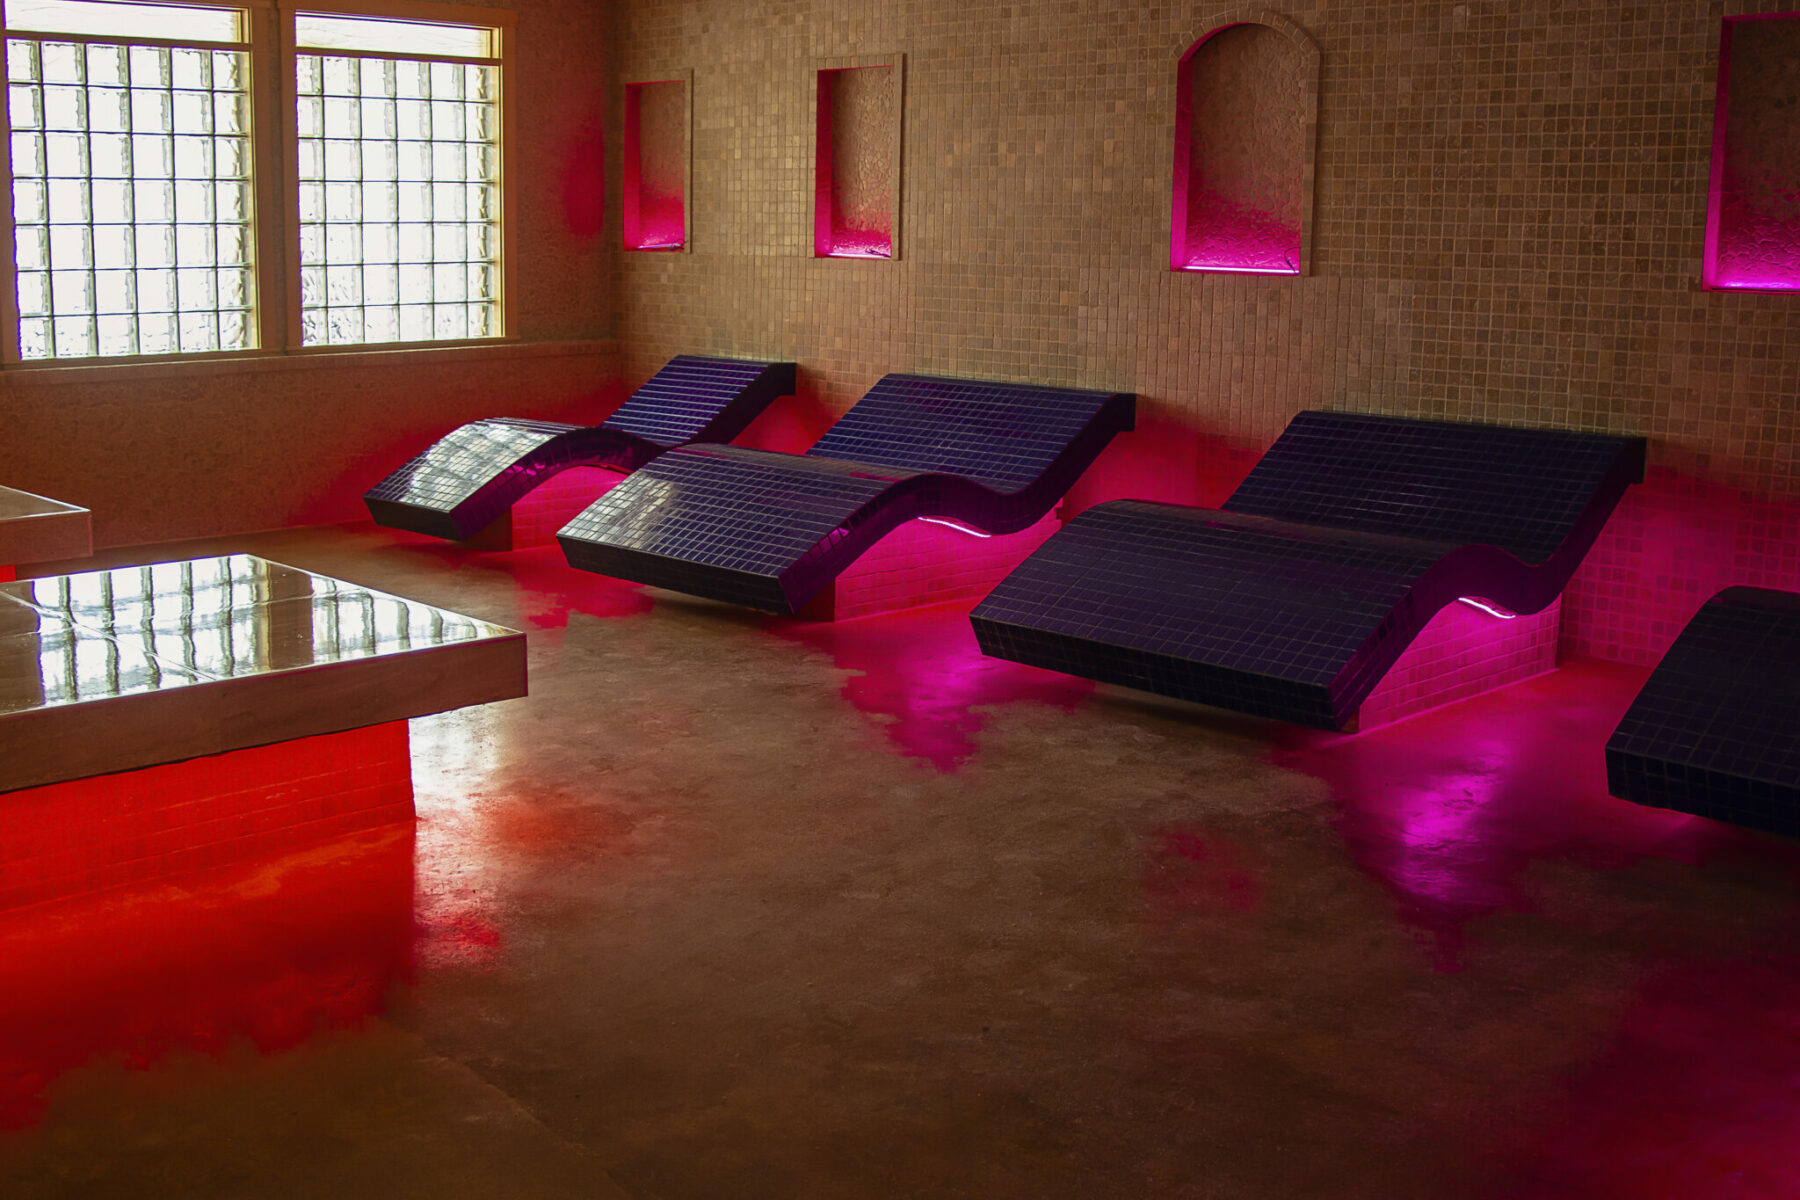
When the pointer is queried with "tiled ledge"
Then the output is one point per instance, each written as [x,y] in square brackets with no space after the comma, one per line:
[323,358]
[37,529]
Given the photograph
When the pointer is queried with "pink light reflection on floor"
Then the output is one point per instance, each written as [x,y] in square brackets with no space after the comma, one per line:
[1695,1097]
[1449,809]
[921,674]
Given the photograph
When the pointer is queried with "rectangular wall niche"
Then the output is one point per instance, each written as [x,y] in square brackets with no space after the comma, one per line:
[656,164]
[1753,208]
[856,189]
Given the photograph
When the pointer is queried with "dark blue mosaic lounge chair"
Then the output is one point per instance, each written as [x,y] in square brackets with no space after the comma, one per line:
[475,473]
[1297,596]
[1716,730]
[770,531]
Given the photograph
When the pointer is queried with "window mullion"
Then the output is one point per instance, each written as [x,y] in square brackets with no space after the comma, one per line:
[272,164]
[9,294]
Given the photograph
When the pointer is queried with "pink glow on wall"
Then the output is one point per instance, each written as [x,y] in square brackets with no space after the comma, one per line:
[1674,541]
[853,189]
[655,165]
[1240,154]
[1462,652]
[1223,236]
[791,424]
[1753,208]
[555,502]
[88,835]
[584,185]
[931,562]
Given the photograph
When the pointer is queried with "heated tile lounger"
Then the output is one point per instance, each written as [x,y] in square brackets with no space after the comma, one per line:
[770,531]
[475,473]
[1716,730]
[1295,598]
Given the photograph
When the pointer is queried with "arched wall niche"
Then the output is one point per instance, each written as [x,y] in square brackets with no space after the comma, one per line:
[1246,128]
[1753,203]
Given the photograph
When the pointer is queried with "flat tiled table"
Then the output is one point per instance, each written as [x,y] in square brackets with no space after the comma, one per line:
[35,529]
[158,718]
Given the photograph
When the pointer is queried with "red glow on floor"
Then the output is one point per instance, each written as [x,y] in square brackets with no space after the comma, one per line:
[87,835]
[549,592]
[921,675]
[8,574]
[264,955]
[1694,1097]
[1191,869]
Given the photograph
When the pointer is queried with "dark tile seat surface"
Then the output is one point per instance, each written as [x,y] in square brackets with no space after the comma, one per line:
[1297,596]
[475,473]
[1716,729]
[770,530]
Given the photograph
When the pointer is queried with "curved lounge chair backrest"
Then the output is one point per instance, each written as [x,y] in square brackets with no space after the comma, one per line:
[1524,490]
[1003,435]
[681,402]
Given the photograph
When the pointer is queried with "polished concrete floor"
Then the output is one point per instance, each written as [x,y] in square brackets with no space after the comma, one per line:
[733,907]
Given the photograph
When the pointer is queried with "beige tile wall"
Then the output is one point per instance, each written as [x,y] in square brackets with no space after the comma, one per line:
[1509,218]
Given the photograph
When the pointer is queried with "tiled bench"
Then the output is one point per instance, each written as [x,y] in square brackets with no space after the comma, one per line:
[1716,729]
[465,485]
[34,529]
[160,718]
[1294,599]
[772,531]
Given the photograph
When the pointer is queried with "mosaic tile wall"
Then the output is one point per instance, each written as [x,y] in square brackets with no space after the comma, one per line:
[1509,218]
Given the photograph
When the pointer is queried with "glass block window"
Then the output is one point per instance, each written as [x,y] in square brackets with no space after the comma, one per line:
[399,182]
[131,184]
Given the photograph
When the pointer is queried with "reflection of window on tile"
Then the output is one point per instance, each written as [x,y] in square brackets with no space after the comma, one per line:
[856,190]
[1246,105]
[1753,210]
[656,165]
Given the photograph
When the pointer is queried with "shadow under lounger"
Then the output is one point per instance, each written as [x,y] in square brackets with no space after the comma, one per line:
[1716,730]
[770,530]
[1295,598]
[474,474]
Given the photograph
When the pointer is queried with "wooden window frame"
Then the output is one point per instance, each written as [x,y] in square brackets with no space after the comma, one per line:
[274,180]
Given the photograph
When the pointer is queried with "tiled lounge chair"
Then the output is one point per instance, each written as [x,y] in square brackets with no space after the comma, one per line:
[1716,730]
[475,473]
[770,530]
[1297,596]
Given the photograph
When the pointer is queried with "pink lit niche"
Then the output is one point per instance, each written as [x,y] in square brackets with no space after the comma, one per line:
[1753,203]
[1245,118]
[856,181]
[656,164]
